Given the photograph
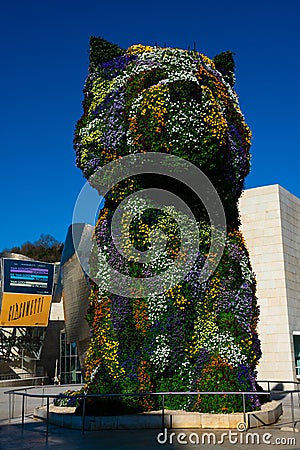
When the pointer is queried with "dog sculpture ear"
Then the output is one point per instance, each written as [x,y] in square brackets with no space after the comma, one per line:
[224,63]
[102,51]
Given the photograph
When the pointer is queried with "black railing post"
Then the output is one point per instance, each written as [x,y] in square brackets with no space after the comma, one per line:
[163,412]
[47,418]
[293,413]
[26,402]
[23,412]
[42,404]
[13,406]
[83,414]
[9,407]
[244,410]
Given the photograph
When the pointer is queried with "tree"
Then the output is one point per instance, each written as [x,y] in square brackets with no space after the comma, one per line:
[46,248]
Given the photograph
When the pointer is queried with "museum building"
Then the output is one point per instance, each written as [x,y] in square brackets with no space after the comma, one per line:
[270,217]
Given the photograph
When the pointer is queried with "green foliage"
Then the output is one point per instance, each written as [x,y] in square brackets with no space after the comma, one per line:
[101,51]
[46,249]
[224,62]
[218,375]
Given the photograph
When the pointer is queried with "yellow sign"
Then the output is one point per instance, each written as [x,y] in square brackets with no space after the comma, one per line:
[25,310]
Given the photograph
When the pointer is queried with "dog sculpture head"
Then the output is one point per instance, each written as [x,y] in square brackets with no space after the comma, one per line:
[165,100]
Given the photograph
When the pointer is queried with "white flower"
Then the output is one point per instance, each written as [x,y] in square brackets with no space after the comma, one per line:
[161,353]
[224,344]
[90,126]
[103,275]
[157,305]
[94,373]
[246,270]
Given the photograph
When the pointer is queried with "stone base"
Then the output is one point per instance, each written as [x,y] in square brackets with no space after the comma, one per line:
[65,417]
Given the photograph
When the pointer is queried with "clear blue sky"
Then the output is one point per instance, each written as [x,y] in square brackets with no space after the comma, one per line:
[44,60]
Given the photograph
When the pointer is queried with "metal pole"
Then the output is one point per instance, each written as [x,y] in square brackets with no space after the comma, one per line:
[23,402]
[42,404]
[83,414]
[163,412]
[13,406]
[293,415]
[26,402]
[47,419]
[244,409]
[9,407]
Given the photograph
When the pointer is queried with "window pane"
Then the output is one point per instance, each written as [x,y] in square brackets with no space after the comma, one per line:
[297,353]
[72,363]
[73,348]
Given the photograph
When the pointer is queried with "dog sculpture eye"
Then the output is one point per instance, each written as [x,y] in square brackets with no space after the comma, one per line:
[197,333]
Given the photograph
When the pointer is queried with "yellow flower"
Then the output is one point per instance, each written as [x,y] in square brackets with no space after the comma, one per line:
[139,48]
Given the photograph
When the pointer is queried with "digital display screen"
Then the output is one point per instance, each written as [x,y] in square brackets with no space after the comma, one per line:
[27,277]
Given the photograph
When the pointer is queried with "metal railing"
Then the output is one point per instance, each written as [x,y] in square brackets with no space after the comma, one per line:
[23,391]
[18,376]
[279,382]
[30,381]
[45,400]
[14,376]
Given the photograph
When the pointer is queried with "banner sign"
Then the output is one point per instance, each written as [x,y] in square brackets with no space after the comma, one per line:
[25,310]
[27,293]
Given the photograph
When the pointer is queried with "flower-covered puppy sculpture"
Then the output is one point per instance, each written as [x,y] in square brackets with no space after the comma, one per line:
[196,335]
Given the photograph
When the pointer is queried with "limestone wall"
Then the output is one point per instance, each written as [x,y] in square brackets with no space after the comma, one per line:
[271,226]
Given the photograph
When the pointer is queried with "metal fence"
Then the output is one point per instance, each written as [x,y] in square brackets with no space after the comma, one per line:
[44,399]
[16,376]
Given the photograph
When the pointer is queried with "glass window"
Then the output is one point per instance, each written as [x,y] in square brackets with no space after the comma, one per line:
[70,370]
[73,348]
[63,344]
[297,353]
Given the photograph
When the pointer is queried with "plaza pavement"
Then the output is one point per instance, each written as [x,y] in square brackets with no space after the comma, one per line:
[33,435]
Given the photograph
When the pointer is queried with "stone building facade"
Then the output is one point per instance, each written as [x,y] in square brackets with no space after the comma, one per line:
[270,218]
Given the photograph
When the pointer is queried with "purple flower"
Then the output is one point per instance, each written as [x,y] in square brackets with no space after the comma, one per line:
[112,68]
[120,311]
